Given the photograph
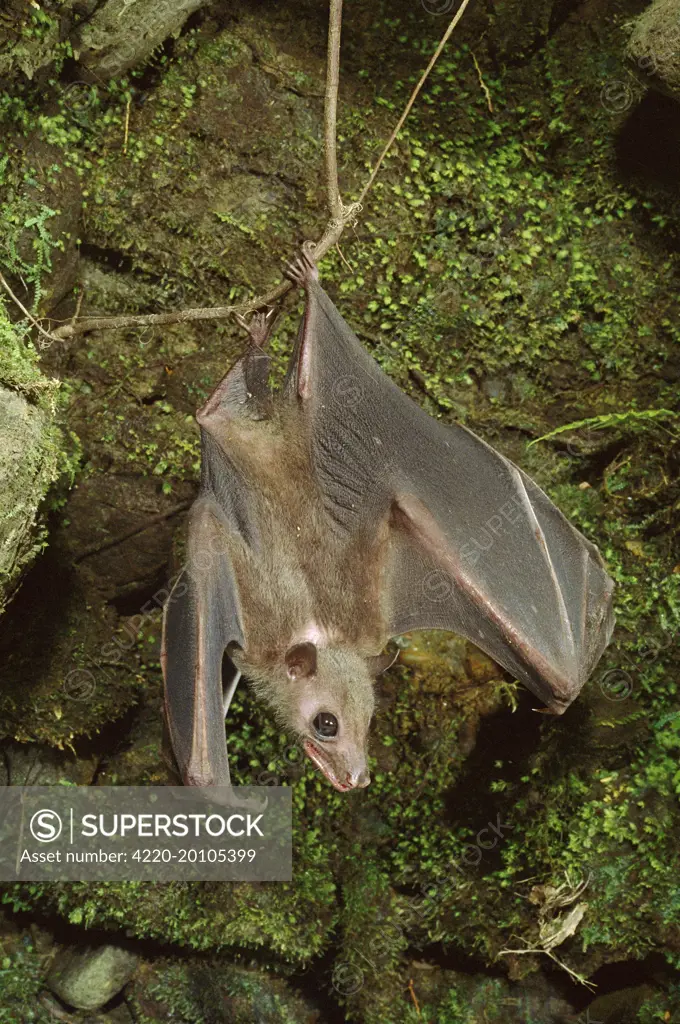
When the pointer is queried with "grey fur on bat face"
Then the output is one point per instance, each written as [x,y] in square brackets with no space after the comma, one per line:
[328,705]
[326,509]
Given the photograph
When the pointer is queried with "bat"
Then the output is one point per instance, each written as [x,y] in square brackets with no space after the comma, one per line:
[335,514]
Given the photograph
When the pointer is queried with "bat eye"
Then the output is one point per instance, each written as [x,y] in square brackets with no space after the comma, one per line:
[326,725]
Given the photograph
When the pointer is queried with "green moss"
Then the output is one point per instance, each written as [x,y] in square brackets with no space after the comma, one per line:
[21,979]
[203,990]
[19,368]
[663,1006]
[34,41]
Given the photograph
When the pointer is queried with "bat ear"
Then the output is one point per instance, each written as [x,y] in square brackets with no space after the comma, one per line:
[381,662]
[301,661]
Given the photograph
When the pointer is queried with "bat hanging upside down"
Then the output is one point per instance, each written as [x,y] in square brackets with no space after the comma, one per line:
[336,514]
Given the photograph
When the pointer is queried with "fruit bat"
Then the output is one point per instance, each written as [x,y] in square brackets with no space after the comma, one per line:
[335,514]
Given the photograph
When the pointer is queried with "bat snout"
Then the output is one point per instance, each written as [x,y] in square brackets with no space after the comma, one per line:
[341,779]
[359,780]
[353,780]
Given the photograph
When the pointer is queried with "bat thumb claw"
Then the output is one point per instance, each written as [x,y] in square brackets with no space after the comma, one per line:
[258,327]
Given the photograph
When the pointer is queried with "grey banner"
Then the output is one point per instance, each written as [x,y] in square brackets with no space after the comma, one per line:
[145,833]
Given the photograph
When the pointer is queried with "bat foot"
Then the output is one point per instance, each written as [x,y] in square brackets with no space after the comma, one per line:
[259,327]
[302,270]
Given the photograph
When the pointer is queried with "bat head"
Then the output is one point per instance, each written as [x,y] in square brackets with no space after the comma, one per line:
[330,707]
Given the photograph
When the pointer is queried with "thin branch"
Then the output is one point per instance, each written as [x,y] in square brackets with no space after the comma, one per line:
[539,949]
[127,126]
[331,109]
[340,215]
[102,323]
[484,86]
[413,995]
[414,95]
[113,542]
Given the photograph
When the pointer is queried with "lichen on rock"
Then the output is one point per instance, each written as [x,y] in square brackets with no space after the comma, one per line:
[654,46]
[31,454]
[120,33]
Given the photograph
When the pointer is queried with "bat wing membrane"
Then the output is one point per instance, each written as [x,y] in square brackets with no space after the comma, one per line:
[475,546]
[201,617]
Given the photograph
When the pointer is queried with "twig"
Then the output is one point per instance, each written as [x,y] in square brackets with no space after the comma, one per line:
[414,95]
[485,88]
[591,985]
[45,334]
[413,995]
[113,542]
[79,302]
[340,215]
[343,258]
[127,125]
[101,323]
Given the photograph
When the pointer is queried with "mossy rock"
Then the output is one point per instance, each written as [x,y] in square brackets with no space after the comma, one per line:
[198,990]
[120,33]
[654,46]
[287,921]
[33,37]
[107,37]
[88,977]
[40,214]
[32,456]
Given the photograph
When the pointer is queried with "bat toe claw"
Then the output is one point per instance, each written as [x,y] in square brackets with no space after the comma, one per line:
[302,269]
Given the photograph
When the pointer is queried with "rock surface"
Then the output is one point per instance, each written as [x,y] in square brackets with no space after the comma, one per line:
[654,46]
[87,979]
[29,455]
[27,462]
[109,36]
[121,33]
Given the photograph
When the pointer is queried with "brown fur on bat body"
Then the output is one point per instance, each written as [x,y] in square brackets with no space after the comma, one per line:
[336,514]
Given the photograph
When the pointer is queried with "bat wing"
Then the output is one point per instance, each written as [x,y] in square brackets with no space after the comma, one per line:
[203,614]
[201,617]
[474,546]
